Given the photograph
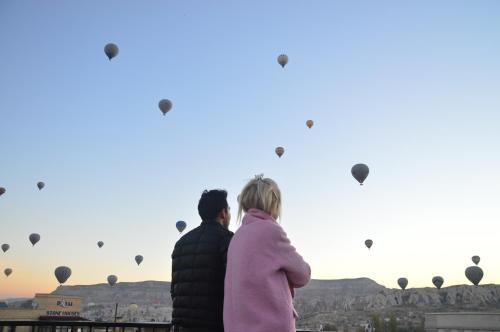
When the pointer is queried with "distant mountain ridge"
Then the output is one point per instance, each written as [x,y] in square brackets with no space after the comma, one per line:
[343,294]
[14,300]
[142,292]
[366,294]
[346,298]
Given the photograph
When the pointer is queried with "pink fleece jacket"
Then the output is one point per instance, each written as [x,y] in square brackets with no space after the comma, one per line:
[262,270]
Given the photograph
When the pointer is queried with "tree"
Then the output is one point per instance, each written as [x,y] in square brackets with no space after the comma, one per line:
[393,324]
[421,326]
[329,327]
[375,318]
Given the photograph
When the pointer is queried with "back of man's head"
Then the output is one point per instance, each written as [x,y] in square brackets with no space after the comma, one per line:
[212,203]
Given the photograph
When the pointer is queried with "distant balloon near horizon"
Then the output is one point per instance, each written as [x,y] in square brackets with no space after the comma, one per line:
[112,279]
[438,281]
[283,60]
[403,282]
[165,106]
[139,259]
[309,123]
[40,185]
[279,151]
[111,50]
[5,247]
[476,259]
[360,172]
[180,225]
[369,243]
[34,238]
[7,272]
[2,191]
[62,274]
[100,244]
[474,274]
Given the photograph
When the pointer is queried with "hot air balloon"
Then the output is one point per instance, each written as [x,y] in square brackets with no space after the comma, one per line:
[279,151]
[2,191]
[438,281]
[139,259]
[100,244]
[62,274]
[181,225]
[34,238]
[309,123]
[111,50]
[474,274]
[112,279]
[5,247]
[403,282]
[40,185]
[283,60]
[7,272]
[165,105]
[476,259]
[369,243]
[360,172]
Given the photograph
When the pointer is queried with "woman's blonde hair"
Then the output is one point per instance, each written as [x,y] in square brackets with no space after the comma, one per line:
[260,193]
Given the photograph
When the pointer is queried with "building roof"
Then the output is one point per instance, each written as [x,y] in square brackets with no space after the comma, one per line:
[63,318]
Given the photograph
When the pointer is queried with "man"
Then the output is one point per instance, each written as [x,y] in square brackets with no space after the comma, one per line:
[199,267]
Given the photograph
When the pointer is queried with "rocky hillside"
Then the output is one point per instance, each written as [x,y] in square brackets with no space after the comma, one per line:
[365,294]
[320,300]
[144,292]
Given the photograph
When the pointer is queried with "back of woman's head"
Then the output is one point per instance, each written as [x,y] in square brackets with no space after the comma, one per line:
[260,193]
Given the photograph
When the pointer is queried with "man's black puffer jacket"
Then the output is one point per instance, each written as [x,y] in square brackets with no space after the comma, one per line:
[198,271]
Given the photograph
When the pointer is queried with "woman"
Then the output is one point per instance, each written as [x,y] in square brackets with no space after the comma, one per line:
[263,267]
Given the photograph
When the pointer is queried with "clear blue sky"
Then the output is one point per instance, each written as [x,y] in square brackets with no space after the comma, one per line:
[409,88]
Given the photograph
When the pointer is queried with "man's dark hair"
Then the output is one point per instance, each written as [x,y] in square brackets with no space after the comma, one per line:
[212,203]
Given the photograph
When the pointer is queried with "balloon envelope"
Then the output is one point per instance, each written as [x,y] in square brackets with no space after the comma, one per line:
[139,259]
[279,151]
[283,60]
[111,50]
[34,238]
[309,123]
[180,225]
[40,185]
[7,272]
[62,274]
[476,259]
[5,247]
[165,105]
[100,244]
[474,274]
[2,191]
[403,282]
[360,172]
[438,281]
[369,243]
[112,279]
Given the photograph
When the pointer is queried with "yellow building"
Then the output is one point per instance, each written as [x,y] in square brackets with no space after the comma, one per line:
[46,307]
